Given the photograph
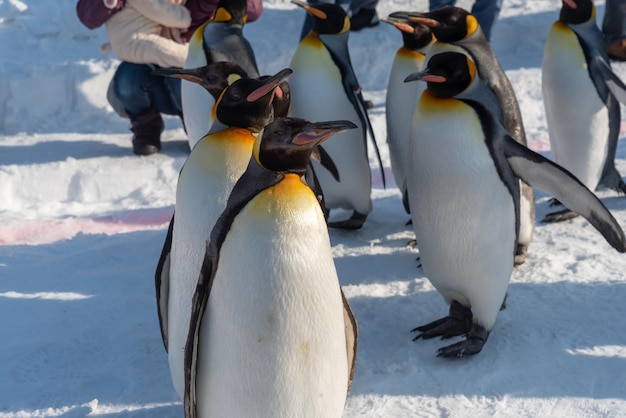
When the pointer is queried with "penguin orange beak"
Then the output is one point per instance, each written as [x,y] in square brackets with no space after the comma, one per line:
[425,76]
[399,24]
[310,9]
[317,132]
[426,21]
[269,84]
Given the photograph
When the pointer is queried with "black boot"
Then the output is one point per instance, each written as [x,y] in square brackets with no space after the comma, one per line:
[147,129]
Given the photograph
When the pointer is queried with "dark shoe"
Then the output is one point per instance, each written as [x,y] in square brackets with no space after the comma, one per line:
[617,50]
[147,129]
[365,18]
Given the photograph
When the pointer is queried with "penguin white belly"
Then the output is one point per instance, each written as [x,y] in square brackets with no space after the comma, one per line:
[272,341]
[578,121]
[462,212]
[318,95]
[204,184]
[400,105]
[196,101]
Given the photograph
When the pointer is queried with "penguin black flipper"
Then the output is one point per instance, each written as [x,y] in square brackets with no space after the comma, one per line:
[543,174]
[162,282]
[320,155]
[337,50]
[613,82]
[252,182]
[352,336]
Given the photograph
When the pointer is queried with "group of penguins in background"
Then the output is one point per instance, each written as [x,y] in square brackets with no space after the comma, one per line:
[250,307]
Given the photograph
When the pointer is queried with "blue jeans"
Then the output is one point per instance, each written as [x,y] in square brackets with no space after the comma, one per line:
[137,90]
[485,11]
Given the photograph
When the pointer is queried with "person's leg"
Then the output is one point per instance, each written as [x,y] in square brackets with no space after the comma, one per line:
[613,28]
[486,12]
[144,97]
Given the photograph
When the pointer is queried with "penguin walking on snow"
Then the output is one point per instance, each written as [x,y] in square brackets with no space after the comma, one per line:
[576,70]
[458,30]
[271,333]
[219,39]
[468,233]
[401,98]
[325,87]
[204,184]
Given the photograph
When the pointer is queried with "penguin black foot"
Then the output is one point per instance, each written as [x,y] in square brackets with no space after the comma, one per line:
[356,221]
[458,322]
[554,202]
[473,344]
[520,254]
[559,216]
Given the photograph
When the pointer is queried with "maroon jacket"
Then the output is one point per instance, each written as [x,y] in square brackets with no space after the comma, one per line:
[93,13]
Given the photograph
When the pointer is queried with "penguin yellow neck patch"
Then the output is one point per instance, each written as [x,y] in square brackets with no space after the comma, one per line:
[431,104]
[289,195]
[198,35]
[410,53]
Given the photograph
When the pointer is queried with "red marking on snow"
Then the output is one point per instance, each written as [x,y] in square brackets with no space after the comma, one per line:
[37,232]
[377,179]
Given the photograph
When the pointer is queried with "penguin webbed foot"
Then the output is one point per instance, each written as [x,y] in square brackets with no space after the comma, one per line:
[520,254]
[355,221]
[458,322]
[473,344]
[559,216]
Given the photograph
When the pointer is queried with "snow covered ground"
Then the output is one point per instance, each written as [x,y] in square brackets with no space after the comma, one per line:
[82,222]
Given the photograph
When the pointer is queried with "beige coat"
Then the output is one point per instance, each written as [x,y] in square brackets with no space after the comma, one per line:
[144,32]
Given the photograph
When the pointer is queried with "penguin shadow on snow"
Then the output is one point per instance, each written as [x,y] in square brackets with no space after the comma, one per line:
[96,337]
[57,151]
[540,347]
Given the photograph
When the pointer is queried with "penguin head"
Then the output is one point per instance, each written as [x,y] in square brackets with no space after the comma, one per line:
[328,18]
[234,12]
[282,98]
[214,77]
[247,103]
[575,12]
[414,34]
[287,143]
[448,24]
[446,74]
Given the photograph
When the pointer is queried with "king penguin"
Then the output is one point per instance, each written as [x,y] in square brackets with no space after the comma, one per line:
[219,39]
[468,233]
[401,98]
[576,71]
[324,86]
[204,184]
[458,30]
[271,333]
